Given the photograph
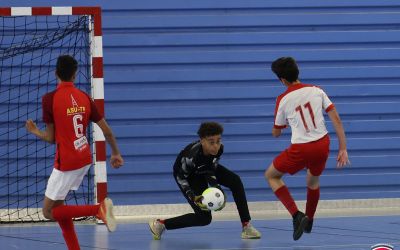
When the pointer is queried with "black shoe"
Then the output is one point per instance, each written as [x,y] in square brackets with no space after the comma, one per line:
[300,220]
[308,227]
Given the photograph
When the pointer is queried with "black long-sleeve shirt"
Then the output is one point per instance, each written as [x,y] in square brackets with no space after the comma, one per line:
[191,161]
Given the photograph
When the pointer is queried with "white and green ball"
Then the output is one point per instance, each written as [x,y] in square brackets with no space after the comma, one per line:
[213,198]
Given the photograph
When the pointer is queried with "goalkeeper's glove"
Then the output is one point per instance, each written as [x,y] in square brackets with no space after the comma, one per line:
[198,201]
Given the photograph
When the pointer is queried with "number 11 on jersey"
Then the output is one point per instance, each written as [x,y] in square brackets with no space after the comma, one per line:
[310,110]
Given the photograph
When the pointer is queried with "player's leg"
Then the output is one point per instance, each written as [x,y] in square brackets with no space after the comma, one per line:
[289,161]
[66,225]
[48,205]
[57,189]
[229,179]
[317,154]
[198,218]
[313,193]
[60,183]
[54,197]
[274,178]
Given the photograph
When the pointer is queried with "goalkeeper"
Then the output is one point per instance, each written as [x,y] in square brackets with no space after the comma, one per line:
[196,168]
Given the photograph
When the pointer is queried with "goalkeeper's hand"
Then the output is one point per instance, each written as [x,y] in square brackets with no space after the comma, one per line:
[198,201]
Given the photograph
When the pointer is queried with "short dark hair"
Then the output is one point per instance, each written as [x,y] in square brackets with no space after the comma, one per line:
[66,67]
[209,129]
[286,68]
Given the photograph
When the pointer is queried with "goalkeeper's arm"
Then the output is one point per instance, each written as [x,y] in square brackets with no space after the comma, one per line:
[182,170]
[184,184]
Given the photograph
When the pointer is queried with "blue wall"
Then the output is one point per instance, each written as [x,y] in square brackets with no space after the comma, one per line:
[171,64]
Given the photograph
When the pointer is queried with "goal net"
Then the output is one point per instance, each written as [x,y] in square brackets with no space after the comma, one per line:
[29,47]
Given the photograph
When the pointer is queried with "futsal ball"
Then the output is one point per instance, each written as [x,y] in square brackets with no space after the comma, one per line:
[213,198]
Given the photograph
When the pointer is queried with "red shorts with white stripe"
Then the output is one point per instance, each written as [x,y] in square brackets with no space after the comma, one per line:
[311,155]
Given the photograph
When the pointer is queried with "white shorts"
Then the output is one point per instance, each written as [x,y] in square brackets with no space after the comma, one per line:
[61,182]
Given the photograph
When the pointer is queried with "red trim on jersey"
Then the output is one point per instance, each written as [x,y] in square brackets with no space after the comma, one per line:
[41,11]
[329,108]
[97,63]
[295,87]
[101,191]
[95,12]
[280,127]
[100,106]
[100,151]
[5,11]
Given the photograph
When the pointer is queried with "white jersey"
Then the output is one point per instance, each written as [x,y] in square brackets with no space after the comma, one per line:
[301,107]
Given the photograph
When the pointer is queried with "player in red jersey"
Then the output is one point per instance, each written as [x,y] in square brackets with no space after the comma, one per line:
[67,112]
[301,107]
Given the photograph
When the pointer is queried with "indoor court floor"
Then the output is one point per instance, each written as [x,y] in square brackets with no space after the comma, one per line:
[348,233]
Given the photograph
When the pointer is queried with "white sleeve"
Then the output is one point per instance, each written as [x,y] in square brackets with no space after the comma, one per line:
[326,102]
[280,117]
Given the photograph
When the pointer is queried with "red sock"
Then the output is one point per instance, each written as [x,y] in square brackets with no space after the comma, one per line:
[68,212]
[161,221]
[68,231]
[284,196]
[245,223]
[312,202]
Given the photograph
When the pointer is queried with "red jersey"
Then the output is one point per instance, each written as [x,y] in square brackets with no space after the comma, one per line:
[70,110]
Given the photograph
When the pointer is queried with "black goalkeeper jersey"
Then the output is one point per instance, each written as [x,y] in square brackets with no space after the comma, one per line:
[191,162]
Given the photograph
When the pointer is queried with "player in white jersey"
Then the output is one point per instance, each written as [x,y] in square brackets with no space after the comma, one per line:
[301,107]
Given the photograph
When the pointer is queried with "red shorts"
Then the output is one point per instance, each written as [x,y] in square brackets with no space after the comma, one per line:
[311,155]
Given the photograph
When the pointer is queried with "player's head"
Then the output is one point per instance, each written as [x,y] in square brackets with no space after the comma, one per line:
[66,68]
[210,137]
[285,68]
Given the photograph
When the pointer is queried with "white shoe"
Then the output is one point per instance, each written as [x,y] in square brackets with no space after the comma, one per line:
[249,232]
[156,228]
[106,214]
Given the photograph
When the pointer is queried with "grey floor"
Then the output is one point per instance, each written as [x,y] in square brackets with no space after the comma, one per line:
[328,233]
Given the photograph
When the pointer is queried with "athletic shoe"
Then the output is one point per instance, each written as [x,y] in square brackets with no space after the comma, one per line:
[300,220]
[308,227]
[156,228]
[249,232]
[106,214]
